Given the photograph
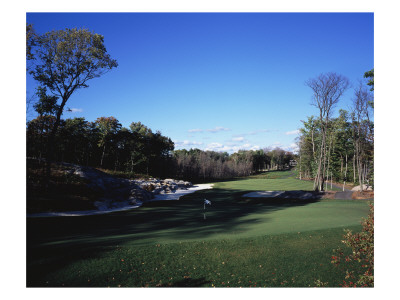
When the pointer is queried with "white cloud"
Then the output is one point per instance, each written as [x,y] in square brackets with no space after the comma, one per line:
[218,147]
[263,130]
[75,110]
[195,130]
[217,129]
[293,132]
[214,145]
[292,148]
[238,139]
[277,144]
[187,143]
[250,147]
[213,130]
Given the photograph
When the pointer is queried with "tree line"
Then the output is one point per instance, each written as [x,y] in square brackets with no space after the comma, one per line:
[199,165]
[105,144]
[342,148]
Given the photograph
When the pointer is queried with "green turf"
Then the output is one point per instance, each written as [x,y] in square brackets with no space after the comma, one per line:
[276,174]
[294,259]
[273,181]
[87,251]
[260,184]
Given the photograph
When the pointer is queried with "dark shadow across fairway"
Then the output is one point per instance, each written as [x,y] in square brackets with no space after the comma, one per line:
[53,243]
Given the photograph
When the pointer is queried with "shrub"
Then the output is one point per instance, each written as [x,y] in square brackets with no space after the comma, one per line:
[360,263]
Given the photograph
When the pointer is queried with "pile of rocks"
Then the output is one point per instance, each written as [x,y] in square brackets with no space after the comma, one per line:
[156,186]
[118,192]
[365,188]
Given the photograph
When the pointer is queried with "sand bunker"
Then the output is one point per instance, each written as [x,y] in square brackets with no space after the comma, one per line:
[179,193]
[169,196]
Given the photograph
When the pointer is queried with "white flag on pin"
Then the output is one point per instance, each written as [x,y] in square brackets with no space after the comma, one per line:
[207,202]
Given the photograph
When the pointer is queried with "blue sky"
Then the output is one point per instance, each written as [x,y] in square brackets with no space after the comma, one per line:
[217,81]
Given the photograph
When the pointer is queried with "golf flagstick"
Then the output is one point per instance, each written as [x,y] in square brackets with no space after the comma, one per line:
[204,207]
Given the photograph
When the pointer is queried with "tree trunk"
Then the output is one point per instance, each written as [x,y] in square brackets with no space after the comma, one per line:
[50,142]
[300,166]
[359,167]
[345,174]
[341,164]
[319,179]
[131,163]
[327,169]
[102,155]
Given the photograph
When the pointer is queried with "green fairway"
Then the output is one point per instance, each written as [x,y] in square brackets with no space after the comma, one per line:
[260,184]
[59,249]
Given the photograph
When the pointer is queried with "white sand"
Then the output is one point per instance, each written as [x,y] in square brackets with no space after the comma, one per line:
[180,193]
[170,196]
[83,212]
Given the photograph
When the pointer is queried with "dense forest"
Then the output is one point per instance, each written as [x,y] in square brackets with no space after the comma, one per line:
[338,148]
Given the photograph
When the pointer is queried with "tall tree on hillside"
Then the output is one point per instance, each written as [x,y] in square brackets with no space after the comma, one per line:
[161,148]
[327,90]
[75,140]
[37,132]
[30,44]
[65,60]
[370,76]
[361,129]
[344,146]
[124,143]
[309,141]
[142,152]
[108,128]
[46,107]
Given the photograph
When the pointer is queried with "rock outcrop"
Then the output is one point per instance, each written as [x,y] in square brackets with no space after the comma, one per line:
[365,188]
[118,192]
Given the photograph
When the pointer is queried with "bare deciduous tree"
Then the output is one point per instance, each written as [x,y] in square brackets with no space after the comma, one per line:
[327,90]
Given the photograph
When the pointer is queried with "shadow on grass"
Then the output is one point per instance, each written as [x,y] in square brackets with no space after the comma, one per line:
[188,282]
[53,243]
